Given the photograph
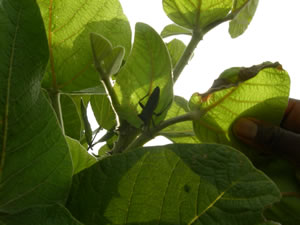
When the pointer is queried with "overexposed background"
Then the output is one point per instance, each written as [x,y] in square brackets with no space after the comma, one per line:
[273,35]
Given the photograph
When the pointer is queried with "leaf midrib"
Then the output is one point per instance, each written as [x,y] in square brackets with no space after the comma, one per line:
[6,110]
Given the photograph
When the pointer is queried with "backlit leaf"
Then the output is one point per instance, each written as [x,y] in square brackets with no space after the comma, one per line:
[174,29]
[69,24]
[174,184]
[241,92]
[176,49]
[195,14]
[241,21]
[147,67]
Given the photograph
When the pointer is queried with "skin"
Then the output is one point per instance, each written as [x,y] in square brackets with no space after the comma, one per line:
[284,140]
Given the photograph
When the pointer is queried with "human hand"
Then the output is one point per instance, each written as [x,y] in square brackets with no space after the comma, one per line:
[273,139]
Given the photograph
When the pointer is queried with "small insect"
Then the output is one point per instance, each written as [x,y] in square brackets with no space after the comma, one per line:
[149,108]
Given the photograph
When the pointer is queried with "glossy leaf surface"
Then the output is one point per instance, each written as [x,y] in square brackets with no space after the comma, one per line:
[71,61]
[35,164]
[174,184]
[147,67]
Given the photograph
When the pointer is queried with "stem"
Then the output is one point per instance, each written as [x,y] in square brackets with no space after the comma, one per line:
[196,38]
[149,134]
[55,100]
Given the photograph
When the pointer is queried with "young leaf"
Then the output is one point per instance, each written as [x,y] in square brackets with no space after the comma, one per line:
[69,24]
[195,14]
[176,49]
[47,215]
[80,157]
[147,67]
[35,163]
[173,184]
[240,23]
[174,29]
[107,59]
[103,111]
[241,92]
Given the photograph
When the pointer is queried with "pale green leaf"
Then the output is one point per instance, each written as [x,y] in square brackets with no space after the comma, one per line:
[195,14]
[35,164]
[147,67]
[80,157]
[173,184]
[176,49]
[240,23]
[174,29]
[241,92]
[69,24]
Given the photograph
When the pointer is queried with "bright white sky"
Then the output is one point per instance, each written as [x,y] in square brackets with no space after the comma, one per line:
[273,35]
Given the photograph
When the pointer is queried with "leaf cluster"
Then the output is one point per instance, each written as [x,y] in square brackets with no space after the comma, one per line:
[59,57]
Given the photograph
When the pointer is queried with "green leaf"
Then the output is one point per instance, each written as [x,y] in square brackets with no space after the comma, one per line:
[240,23]
[87,127]
[282,172]
[241,92]
[80,157]
[147,67]
[48,215]
[35,164]
[174,29]
[69,24]
[176,49]
[103,111]
[195,14]
[173,184]
[180,132]
[107,59]
[71,118]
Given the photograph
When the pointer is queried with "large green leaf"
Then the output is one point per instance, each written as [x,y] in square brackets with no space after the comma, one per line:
[69,24]
[241,21]
[173,184]
[49,215]
[147,67]
[35,164]
[80,157]
[180,132]
[195,14]
[103,111]
[260,91]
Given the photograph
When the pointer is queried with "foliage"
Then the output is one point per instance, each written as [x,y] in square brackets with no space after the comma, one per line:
[59,56]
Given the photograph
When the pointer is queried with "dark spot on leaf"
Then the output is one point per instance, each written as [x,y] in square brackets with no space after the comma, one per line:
[187,188]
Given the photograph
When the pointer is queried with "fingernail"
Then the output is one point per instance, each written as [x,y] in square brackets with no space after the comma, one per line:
[245,128]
